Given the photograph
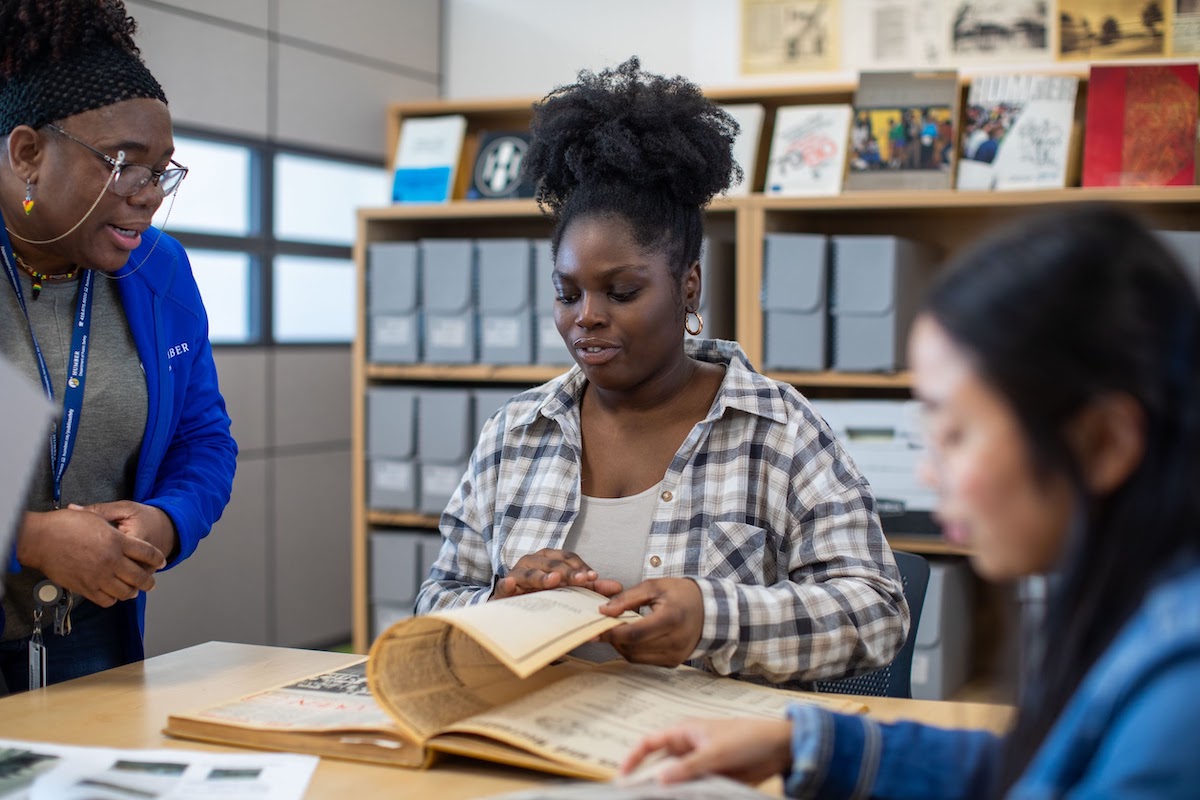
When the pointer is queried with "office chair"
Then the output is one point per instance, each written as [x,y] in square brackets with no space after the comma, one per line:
[894,680]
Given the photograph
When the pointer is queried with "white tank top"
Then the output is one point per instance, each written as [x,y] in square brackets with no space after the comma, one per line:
[610,535]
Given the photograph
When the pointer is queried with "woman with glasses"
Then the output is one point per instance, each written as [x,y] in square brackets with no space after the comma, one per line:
[102,311]
[1060,369]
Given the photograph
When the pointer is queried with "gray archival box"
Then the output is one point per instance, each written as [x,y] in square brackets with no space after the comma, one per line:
[795,269]
[448,288]
[393,303]
[505,301]
[876,285]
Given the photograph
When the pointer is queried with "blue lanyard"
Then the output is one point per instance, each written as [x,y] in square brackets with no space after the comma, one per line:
[62,437]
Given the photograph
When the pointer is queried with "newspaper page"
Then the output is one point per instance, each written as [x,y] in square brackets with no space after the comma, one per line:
[896,34]
[330,701]
[712,787]
[431,671]
[591,720]
[1185,33]
[790,35]
[43,771]
[1102,30]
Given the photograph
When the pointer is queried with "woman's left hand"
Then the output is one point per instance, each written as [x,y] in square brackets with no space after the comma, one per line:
[148,523]
[748,750]
[666,635]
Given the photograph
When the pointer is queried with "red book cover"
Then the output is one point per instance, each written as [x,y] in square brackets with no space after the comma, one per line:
[1141,125]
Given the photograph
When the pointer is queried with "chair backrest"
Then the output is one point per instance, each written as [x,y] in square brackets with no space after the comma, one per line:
[894,680]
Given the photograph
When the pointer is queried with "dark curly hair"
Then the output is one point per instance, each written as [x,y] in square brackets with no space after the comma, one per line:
[647,148]
[36,30]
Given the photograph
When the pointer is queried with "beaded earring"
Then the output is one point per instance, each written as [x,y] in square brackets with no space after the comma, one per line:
[28,204]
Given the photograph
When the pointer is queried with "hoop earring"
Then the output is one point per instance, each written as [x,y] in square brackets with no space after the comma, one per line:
[687,318]
[28,203]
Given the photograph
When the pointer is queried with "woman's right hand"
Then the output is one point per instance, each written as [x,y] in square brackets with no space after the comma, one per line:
[550,569]
[82,552]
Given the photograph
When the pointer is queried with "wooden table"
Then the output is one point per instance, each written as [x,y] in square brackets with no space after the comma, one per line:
[128,706]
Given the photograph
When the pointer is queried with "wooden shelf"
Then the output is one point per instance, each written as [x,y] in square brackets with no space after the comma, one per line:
[927,545]
[847,380]
[465,373]
[454,209]
[402,519]
[934,199]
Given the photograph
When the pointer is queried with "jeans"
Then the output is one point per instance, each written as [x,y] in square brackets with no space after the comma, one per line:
[96,643]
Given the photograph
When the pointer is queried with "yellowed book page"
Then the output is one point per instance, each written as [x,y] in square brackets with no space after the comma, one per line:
[529,631]
[428,674]
[591,720]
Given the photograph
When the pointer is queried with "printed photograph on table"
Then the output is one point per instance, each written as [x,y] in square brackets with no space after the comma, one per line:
[1010,30]
[1098,30]
[790,35]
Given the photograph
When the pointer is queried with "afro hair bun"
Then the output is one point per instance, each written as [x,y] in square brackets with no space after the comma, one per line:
[625,126]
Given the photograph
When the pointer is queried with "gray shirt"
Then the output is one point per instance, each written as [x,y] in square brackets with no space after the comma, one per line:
[111,424]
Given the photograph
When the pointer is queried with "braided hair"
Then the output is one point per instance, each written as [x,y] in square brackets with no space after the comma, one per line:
[63,57]
[647,148]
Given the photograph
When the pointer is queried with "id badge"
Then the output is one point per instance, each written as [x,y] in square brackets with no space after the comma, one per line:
[37,663]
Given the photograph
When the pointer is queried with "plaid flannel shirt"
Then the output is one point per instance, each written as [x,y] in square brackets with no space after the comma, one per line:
[761,507]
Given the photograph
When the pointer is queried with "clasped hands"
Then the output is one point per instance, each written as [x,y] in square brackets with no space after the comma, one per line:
[105,552]
[666,635]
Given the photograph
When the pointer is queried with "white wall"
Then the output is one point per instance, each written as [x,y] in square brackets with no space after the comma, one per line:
[522,48]
[284,70]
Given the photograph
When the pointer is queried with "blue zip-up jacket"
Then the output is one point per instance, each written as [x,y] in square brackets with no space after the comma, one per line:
[1132,729]
[188,456]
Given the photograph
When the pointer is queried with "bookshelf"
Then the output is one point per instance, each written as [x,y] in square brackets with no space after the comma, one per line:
[948,219]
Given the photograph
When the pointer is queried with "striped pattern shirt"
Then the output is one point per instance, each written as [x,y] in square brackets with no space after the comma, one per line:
[760,506]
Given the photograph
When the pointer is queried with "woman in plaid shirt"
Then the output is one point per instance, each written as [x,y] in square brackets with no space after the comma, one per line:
[667,475]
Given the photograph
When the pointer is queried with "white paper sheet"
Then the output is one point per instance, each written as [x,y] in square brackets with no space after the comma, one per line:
[44,771]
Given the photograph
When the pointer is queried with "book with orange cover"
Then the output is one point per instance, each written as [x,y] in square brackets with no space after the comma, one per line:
[1141,125]
[491,682]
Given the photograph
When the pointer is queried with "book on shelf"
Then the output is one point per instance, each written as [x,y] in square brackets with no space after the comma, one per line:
[904,131]
[496,173]
[749,117]
[808,150]
[1141,125]
[492,681]
[427,157]
[1018,132]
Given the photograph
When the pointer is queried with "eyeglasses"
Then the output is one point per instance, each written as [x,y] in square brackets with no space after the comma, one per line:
[129,179]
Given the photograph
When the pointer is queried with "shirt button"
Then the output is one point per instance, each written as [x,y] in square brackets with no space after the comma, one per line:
[667,496]
[655,561]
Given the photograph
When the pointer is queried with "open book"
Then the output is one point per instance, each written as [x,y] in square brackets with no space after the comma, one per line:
[488,681]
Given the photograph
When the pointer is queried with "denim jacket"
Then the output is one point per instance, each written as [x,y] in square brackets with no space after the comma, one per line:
[1131,730]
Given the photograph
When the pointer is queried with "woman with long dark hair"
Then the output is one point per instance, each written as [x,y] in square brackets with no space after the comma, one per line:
[1060,366]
